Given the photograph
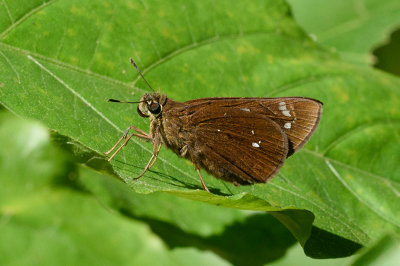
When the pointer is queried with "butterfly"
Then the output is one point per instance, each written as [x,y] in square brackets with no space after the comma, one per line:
[240,140]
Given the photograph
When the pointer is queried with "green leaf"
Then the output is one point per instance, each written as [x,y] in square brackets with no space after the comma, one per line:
[185,223]
[49,215]
[60,62]
[47,222]
[353,28]
[384,252]
[295,256]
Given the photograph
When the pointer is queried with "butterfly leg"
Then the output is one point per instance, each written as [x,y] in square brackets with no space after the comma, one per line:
[201,180]
[154,156]
[141,134]
[158,150]
[196,166]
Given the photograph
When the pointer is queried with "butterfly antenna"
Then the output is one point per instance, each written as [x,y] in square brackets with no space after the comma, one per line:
[137,69]
[118,101]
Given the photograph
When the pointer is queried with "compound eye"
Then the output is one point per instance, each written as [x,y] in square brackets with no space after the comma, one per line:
[155,108]
[140,112]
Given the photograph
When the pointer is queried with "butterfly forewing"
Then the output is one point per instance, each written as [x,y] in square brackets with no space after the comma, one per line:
[237,145]
[297,116]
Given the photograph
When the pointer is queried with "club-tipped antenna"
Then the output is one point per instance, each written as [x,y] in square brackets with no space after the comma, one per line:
[137,69]
[118,101]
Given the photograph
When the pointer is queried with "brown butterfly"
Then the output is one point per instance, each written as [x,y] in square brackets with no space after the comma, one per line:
[240,140]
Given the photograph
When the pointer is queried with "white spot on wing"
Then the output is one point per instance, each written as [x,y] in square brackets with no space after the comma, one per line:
[255,145]
[287,125]
[283,109]
[219,130]
[282,106]
[245,109]
[252,132]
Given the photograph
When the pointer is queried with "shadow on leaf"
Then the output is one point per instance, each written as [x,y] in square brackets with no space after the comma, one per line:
[257,240]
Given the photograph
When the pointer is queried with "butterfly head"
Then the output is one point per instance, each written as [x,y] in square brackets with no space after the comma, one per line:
[151,105]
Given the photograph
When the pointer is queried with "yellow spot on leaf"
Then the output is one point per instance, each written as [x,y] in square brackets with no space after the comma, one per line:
[199,77]
[76,10]
[8,210]
[161,13]
[270,59]
[99,56]
[241,49]
[247,48]
[349,176]
[110,64]
[350,120]
[73,59]
[165,32]
[71,32]
[342,95]
[220,57]
[107,4]
[385,81]
[184,68]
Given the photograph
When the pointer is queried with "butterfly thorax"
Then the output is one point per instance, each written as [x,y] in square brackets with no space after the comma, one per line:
[170,126]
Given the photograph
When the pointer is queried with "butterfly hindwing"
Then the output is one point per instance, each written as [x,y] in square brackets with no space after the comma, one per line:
[236,145]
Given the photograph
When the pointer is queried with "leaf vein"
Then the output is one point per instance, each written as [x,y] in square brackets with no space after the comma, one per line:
[11,66]
[24,17]
[328,211]
[356,130]
[195,45]
[8,12]
[379,213]
[97,111]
